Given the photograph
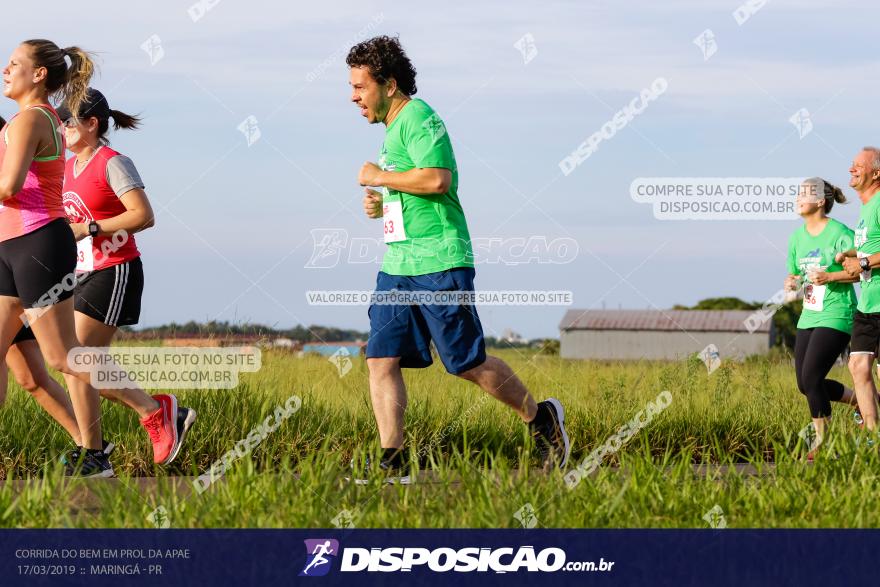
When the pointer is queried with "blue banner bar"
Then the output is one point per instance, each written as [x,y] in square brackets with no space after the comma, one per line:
[435,557]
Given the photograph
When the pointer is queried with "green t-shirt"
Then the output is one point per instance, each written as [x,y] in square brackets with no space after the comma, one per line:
[434,236]
[833,307]
[867,240]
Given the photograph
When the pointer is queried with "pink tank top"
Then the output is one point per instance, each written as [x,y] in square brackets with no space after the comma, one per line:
[39,201]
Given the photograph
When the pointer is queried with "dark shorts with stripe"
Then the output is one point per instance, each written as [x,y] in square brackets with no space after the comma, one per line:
[38,267]
[111,295]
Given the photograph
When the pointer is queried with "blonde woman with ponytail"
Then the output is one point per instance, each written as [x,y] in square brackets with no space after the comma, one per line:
[37,247]
[825,324]
[26,362]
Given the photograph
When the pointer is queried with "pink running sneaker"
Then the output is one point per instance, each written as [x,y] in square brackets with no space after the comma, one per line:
[168,427]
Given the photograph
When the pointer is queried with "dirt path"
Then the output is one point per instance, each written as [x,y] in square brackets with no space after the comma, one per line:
[86,494]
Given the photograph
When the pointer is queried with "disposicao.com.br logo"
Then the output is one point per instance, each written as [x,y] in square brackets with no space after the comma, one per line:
[442,560]
[318,553]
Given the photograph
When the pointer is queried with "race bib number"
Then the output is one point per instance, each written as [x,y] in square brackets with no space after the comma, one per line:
[860,237]
[864,276]
[814,296]
[392,218]
[85,257]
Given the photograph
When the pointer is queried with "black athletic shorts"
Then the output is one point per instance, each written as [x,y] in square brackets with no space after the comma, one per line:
[111,295]
[865,333]
[39,267]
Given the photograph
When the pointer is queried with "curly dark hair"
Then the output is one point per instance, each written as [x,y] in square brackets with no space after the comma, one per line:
[386,59]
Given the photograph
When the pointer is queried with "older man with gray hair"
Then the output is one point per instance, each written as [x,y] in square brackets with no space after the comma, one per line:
[863,262]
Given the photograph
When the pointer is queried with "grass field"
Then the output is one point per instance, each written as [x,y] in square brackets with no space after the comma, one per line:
[476,462]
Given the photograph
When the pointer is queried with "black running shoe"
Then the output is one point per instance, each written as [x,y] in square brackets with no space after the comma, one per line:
[548,429]
[392,468]
[90,464]
[185,419]
[72,455]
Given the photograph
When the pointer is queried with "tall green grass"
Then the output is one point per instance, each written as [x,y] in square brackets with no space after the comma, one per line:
[475,456]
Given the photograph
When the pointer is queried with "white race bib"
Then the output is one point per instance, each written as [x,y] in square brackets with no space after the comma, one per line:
[85,258]
[814,296]
[392,219]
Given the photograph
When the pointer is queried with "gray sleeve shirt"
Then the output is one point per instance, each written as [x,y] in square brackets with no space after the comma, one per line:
[122,175]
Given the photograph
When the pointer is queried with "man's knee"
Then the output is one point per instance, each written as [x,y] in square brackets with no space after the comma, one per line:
[383,366]
[470,375]
[474,374]
[860,366]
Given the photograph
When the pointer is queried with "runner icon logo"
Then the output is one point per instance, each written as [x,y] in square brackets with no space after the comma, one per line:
[319,554]
[328,245]
[861,234]
[527,47]
[250,128]
[342,360]
[715,518]
[710,357]
[435,127]
[802,121]
[526,516]
[153,47]
[707,44]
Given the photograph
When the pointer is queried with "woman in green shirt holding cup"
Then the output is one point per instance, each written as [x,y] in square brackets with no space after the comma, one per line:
[825,325]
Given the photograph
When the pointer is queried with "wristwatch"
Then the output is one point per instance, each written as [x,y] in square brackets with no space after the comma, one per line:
[93,228]
[864,263]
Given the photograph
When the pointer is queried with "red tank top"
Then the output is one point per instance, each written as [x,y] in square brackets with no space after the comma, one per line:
[39,201]
[88,197]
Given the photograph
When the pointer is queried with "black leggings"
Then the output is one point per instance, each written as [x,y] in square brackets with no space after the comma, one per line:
[815,351]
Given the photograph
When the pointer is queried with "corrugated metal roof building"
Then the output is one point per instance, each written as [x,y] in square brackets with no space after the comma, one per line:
[663,334]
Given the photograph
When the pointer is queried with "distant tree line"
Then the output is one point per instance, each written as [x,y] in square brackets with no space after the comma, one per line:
[301,333]
[546,346]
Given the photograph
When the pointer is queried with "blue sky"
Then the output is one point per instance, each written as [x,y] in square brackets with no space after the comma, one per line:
[233,230]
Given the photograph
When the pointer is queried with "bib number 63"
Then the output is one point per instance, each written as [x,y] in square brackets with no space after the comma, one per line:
[392,215]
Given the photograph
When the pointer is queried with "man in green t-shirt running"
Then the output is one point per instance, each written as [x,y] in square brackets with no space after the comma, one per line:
[863,262]
[429,256]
